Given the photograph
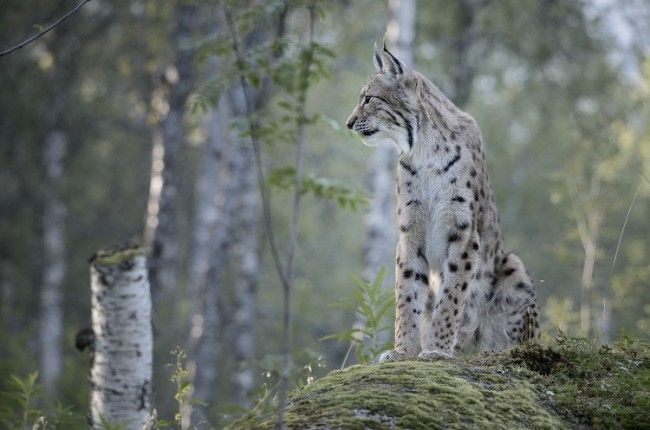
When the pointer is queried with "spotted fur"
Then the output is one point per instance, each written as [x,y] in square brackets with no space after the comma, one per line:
[457,287]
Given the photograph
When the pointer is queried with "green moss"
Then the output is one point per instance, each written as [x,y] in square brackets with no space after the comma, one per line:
[417,395]
[111,257]
[570,384]
[594,385]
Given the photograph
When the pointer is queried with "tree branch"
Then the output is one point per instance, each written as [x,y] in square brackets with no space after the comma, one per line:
[41,33]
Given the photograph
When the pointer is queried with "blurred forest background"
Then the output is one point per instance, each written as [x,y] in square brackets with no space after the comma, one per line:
[124,123]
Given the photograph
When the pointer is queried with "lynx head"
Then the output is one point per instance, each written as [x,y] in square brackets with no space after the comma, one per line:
[386,106]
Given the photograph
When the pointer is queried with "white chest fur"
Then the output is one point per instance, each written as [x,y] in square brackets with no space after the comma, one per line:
[423,210]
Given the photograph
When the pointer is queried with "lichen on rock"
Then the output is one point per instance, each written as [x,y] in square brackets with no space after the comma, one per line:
[572,383]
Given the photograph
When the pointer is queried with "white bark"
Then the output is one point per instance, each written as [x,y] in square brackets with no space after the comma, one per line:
[121,320]
[155,186]
[54,265]
[380,221]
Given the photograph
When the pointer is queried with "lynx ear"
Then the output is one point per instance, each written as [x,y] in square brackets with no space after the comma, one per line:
[376,60]
[387,63]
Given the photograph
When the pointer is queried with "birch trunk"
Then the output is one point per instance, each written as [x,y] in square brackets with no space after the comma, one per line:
[380,220]
[586,283]
[212,241]
[54,264]
[161,234]
[234,233]
[588,217]
[247,225]
[247,258]
[589,237]
[121,372]
[226,196]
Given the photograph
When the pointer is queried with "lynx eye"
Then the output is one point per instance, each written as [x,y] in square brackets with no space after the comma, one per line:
[366,99]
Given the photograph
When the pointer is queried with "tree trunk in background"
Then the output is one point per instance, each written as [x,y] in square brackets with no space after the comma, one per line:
[227,228]
[155,186]
[246,254]
[588,218]
[212,240]
[50,333]
[121,372]
[248,223]
[589,234]
[160,233]
[586,284]
[463,72]
[379,248]
[6,295]
[234,233]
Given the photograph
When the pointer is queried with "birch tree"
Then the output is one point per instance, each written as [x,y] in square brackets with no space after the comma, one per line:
[55,146]
[227,231]
[230,223]
[248,223]
[212,239]
[121,373]
[161,233]
[380,226]
[588,217]
[54,263]
[247,255]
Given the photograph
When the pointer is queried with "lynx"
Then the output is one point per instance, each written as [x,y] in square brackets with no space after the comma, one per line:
[457,288]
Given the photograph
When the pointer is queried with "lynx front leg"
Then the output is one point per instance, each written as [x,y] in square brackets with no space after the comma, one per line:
[440,336]
[411,292]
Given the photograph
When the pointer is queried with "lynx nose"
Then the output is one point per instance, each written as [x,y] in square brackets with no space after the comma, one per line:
[350,122]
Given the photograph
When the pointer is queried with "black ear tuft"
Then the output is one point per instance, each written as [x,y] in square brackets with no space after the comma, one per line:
[389,63]
[376,59]
[396,62]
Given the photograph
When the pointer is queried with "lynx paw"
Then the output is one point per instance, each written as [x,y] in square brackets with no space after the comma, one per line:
[392,355]
[433,354]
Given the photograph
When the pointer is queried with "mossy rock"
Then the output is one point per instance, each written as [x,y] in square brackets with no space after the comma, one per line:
[572,383]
